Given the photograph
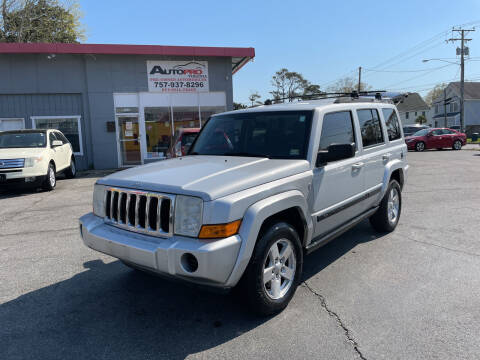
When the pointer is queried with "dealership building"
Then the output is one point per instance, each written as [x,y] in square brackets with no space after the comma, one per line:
[119,105]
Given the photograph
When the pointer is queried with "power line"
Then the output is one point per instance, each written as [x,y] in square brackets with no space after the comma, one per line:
[403,71]
[416,77]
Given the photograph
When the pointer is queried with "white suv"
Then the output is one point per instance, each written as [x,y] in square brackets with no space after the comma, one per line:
[35,157]
[260,188]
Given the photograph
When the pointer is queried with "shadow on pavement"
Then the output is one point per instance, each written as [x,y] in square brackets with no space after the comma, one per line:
[111,312]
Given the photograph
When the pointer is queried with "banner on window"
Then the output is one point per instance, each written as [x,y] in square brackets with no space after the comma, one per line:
[177,76]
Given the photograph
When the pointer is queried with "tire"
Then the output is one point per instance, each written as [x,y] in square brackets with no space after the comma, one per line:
[51,179]
[273,295]
[420,146]
[71,172]
[386,217]
[457,145]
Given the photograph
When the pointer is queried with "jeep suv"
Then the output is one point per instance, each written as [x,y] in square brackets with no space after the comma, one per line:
[260,188]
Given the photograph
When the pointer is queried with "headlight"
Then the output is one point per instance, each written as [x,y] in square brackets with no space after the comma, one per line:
[32,161]
[188,215]
[98,200]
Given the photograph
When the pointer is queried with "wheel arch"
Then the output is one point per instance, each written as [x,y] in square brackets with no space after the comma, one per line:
[290,207]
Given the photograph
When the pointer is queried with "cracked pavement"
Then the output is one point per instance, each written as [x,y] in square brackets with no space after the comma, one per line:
[412,294]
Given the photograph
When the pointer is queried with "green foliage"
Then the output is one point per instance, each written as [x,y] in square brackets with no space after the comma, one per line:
[421,120]
[290,85]
[39,21]
[253,97]
[239,106]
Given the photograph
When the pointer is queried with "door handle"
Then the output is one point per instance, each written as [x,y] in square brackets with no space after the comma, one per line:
[357,166]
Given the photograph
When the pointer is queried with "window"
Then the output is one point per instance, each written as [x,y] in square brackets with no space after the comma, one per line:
[423,113]
[406,115]
[68,125]
[12,124]
[337,128]
[448,132]
[393,126]
[158,127]
[61,137]
[436,109]
[370,127]
[437,132]
[415,114]
[51,138]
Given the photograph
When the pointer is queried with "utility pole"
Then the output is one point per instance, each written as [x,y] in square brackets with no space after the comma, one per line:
[445,107]
[359,78]
[462,71]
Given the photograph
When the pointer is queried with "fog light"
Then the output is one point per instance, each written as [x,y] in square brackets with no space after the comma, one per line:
[189,263]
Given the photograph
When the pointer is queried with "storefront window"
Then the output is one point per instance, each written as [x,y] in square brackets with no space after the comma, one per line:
[208,111]
[186,117]
[158,130]
[68,125]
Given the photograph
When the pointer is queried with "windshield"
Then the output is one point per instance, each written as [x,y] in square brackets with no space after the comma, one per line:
[22,140]
[276,135]
[421,132]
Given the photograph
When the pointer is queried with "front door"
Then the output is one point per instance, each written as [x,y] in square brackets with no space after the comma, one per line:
[338,186]
[129,140]
[437,140]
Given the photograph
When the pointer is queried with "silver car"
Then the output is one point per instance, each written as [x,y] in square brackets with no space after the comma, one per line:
[259,190]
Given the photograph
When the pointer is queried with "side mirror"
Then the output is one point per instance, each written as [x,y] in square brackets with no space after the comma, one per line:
[335,152]
[56,143]
[429,134]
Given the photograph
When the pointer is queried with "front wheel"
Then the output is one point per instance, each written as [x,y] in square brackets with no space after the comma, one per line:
[71,172]
[457,145]
[51,179]
[387,216]
[275,270]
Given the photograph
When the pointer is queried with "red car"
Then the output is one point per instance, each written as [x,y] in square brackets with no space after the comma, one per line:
[436,138]
[182,141]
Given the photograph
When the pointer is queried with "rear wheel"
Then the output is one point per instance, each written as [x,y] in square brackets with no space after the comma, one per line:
[275,270]
[387,216]
[71,172]
[457,145]
[420,146]
[51,179]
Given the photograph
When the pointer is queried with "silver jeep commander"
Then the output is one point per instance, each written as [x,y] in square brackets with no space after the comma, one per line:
[261,188]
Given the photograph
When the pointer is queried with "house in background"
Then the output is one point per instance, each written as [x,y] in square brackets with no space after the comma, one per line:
[451,118]
[411,107]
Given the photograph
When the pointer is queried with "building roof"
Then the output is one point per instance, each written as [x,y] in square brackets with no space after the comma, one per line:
[240,56]
[413,102]
[471,89]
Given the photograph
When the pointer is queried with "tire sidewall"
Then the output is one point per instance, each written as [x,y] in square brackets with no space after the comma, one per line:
[253,279]
[48,185]
[457,142]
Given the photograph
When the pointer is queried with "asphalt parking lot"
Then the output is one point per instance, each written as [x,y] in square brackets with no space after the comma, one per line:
[412,294]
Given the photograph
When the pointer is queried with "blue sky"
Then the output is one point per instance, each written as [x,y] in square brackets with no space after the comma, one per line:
[323,40]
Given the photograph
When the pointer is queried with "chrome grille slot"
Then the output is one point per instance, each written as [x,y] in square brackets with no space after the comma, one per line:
[140,211]
[12,163]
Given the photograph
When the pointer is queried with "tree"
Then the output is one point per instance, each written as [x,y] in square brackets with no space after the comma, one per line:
[309,90]
[253,97]
[239,106]
[421,119]
[347,85]
[435,93]
[40,21]
[290,85]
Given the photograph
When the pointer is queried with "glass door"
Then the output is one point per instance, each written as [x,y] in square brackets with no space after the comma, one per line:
[129,140]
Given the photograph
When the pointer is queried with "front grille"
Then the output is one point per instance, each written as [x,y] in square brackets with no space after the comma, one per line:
[12,163]
[140,211]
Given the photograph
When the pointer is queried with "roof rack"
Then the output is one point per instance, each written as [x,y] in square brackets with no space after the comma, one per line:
[342,97]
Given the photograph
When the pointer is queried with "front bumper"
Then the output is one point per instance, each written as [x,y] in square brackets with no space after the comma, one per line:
[165,256]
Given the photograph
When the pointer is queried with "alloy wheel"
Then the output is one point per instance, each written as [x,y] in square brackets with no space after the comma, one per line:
[393,205]
[279,269]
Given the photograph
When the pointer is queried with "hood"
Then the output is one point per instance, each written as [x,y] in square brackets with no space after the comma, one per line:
[209,177]
[19,153]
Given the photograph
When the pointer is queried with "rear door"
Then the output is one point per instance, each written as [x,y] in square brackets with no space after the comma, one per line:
[374,152]
[437,140]
[338,185]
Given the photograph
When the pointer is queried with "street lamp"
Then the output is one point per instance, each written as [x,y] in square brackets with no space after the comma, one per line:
[450,62]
